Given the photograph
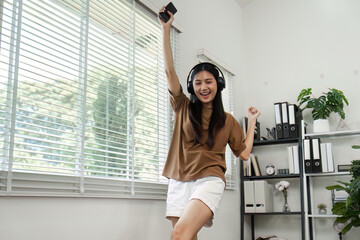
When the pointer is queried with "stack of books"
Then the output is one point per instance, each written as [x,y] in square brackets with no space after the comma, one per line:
[293,159]
[339,196]
[251,166]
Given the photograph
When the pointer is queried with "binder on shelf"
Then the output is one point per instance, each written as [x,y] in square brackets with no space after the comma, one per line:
[290,159]
[258,197]
[256,131]
[307,156]
[296,159]
[294,119]
[330,157]
[285,119]
[244,125]
[324,160]
[263,197]
[317,168]
[278,121]
[249,197]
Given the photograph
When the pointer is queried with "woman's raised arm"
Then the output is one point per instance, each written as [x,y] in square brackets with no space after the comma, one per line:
[173,79]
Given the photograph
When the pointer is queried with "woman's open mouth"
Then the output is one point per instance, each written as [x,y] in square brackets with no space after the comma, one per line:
[205,95]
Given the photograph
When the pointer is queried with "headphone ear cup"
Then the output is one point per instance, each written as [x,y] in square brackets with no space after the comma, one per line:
[221,83]
[190,87]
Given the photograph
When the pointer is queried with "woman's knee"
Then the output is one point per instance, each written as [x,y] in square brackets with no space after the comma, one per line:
[177,233]
[180,232]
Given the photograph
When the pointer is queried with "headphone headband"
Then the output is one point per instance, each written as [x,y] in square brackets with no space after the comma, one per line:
[220,80]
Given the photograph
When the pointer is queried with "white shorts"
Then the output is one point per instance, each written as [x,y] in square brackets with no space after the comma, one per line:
[209,190]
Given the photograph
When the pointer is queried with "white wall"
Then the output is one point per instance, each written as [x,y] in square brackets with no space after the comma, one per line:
[93,219]
[205,24]
[294,44]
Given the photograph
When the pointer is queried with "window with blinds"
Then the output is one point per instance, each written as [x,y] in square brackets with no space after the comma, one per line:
[84,107]
[231,160]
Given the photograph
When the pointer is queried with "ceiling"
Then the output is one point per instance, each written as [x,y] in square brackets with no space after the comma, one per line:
[243,3]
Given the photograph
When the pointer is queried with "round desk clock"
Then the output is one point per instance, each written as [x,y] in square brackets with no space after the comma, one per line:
[270,169]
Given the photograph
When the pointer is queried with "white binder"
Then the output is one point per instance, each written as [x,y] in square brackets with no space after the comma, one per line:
[249,196]
[296,159]
[291,159]
[330,157]
[263,197]
[324,163]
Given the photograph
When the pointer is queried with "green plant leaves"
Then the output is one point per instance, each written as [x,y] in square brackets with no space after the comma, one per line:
[304,97]
[349,210]
[335,99]
[342,219]
[305,93]
[355,169]
[323,106]
[339,208]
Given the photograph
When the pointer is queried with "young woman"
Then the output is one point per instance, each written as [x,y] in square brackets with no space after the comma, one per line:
[196,160]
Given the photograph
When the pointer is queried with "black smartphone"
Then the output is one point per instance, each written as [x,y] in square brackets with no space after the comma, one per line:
[164,16]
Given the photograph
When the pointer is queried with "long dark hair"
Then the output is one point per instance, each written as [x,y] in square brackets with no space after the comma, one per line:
[218,117]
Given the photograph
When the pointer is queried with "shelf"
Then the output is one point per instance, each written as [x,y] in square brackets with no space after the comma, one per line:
[276,141]
[330,174]
[275,213]
[271,177]
[298,178]
[334,134]
[323,216]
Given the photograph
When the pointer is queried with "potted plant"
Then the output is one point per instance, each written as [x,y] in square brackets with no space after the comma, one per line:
[349,211]
[322,208]
[323,106]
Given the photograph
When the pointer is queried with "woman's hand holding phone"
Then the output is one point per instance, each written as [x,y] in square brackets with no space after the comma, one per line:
[166,14]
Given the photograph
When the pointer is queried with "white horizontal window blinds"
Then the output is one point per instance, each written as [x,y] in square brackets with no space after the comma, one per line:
[41,47]
[228,101]
[151,103]
[84,105]
[109,103]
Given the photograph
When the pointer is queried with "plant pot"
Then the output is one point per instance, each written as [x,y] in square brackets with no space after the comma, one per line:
[322,211]
[321,125]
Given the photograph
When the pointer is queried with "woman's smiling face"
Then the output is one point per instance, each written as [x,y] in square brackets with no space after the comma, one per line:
[205,86]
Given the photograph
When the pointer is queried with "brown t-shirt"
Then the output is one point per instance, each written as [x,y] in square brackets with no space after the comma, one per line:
[186,162]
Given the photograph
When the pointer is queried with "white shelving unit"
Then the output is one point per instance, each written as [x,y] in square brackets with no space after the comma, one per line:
[323,216]
[331,174]
[333,134]
[298,214]
[310,178]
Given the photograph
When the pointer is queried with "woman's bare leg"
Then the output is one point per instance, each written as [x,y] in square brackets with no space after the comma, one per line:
[174,220]
[195,215]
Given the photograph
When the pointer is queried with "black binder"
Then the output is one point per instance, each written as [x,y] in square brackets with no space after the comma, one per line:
[285,119]
[278,121]
[257,131]
[294,119]
[307,156]
[257,136]
[316,155]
